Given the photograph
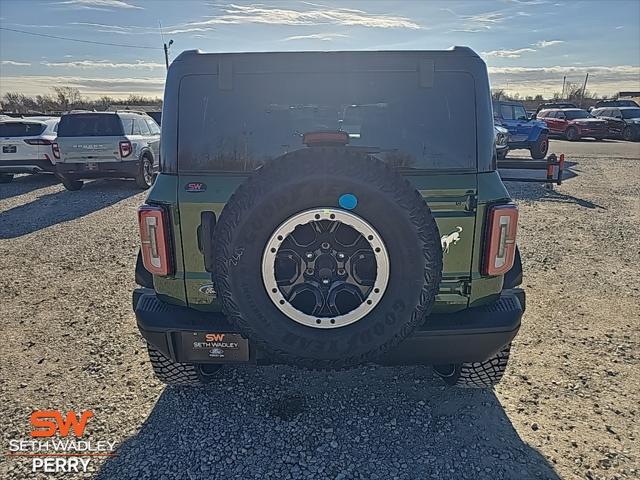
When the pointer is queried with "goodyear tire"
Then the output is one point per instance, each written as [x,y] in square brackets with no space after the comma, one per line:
[174,373]
[540,148]
[475,374]
[401,246]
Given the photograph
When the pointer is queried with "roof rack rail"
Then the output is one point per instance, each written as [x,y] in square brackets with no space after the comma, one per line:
[139,112]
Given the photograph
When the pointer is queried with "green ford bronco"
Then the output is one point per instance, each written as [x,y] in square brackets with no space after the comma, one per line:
[326,210]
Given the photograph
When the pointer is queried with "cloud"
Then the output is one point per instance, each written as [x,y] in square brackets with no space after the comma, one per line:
[92,87]
[99,4]
[480,22]
[14,63]
[262,14]
[486,18]
[605,80]
[140,64]
[547,43]
[326,37]
[517,53]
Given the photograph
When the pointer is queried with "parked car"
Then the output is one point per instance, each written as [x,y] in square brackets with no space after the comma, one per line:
[616,103]
[622,122]
[107,145]
[502,141]
[524,132]
[573,123]
[303,243]
[549,105]
[27,146]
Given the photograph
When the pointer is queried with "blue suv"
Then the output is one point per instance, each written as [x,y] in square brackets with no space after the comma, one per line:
[524,132]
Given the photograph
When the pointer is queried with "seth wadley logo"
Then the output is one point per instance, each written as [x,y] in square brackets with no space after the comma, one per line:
[56,443]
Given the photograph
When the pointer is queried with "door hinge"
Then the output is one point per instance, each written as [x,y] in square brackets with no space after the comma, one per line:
[471,203]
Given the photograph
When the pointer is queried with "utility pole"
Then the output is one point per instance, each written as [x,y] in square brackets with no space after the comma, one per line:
[564,81]
[166,53]
[584,88]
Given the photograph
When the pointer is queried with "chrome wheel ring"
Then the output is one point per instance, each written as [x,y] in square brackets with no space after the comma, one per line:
[330,219]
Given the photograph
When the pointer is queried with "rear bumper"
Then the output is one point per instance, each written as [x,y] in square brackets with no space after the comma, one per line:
[588,132]
[26,166]
[121,169]
[474,334]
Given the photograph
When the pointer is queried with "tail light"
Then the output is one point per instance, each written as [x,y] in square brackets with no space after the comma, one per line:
[55,149]
[311,139]
[38,141]
[155,240]
[125,148]
[500,249]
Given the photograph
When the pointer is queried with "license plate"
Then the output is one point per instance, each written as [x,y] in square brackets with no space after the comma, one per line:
[9,149]
[215,347]
[91,166]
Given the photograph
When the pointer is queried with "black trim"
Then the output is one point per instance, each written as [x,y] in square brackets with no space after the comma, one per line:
[472,335]
[26,166]
[122,169]
[513,277]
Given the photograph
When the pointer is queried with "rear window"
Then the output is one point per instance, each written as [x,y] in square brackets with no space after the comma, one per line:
[21,129]
[576,114]
[266,115]
[88,125]
[631,113]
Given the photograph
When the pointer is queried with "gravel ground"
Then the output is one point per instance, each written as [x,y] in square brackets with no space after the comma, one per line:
[566,409]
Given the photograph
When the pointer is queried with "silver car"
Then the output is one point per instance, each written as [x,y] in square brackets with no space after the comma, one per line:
[107,145]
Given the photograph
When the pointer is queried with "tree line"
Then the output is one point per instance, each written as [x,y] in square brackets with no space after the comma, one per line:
[63,99]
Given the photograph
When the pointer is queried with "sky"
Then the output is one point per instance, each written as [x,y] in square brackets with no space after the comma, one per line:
[528,45]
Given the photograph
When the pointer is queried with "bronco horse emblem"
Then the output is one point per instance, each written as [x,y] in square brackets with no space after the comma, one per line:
[451,239]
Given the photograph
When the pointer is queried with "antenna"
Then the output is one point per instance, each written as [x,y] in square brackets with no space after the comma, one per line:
[165,45]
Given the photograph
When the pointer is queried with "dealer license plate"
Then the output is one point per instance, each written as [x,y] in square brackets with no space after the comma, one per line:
[215,347]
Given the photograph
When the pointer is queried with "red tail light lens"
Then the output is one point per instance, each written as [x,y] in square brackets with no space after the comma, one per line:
[125,149]
[500,244]
[154,237]
[311,139]
[55,149]
[38,141]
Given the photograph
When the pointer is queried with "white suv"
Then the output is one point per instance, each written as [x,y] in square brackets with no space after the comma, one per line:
[27,145]
[107,145]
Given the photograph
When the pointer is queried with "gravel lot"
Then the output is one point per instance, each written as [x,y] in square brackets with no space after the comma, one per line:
[567,407]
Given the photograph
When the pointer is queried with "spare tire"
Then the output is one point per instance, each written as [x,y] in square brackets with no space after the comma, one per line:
[327,258]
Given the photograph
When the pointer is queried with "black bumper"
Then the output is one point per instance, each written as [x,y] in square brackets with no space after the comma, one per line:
[124,169]
[26,166]
[472,335]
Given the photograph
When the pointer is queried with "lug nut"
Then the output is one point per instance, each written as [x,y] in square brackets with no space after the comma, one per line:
[325,281]
[325,246]
[309,255]
[341,255]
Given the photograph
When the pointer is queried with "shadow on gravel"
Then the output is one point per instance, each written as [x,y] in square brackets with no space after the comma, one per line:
[26,183]
[367,423]
[538,192]
[62,206]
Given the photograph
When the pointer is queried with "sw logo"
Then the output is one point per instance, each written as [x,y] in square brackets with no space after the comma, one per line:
[47,422]
[214,337]
[195,187]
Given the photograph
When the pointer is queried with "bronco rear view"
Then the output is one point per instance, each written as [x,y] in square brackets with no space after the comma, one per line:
[326,210]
